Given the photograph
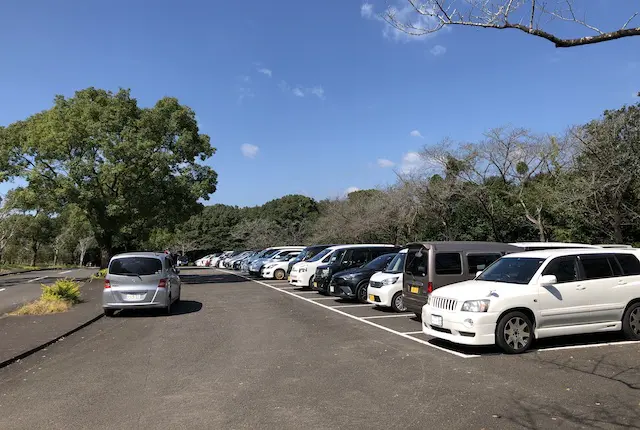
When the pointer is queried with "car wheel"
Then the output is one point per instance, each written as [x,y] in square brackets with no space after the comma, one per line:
[514,333]
[361,292]
[279,274]
[109,312]
[179,294]
[418,315]
[167,310]
[396,302]
[631,322]
[311,282]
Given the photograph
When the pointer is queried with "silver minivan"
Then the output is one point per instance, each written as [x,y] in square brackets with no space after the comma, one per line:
[139,280]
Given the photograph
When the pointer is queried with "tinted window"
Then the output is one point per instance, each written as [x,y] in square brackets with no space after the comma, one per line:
[565,269]
[478,262]
[380,262]
[512,270]
[629,263]
[337,256]
[135,266]
[321,255]
[397,264]
[356,257]
[448,263]
[417,262]
[596,266]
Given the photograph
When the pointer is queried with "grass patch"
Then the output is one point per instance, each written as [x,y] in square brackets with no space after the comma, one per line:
[55,298]
[102,273]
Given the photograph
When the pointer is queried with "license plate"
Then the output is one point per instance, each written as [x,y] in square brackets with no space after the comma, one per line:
[415,290]
[372,297]
[331,289]
[289,279]
[133,297]
[436,320]
[315,285]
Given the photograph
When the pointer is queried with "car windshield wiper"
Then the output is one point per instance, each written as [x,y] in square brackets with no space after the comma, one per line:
[132,274]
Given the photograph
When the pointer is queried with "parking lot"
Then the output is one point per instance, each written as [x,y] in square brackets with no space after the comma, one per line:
[241,353]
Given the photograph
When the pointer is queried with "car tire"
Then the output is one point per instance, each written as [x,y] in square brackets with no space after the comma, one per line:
[631,322]
[279,275]
[109,312]
[396,302]
[167,309]
[514,333]
[418,315]
[361,291]
[179,295]
[310,286]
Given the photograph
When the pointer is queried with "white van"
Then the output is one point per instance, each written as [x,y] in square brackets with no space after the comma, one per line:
[302,273]
[385,288]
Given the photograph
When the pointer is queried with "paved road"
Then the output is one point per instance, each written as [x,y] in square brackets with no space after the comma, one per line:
[242,355]
[24,287]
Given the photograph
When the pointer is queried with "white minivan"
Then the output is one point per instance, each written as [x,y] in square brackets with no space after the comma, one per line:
[537,294]
[385,288]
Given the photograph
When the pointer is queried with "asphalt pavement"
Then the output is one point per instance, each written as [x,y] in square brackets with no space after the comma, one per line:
[243,355]
[21,288]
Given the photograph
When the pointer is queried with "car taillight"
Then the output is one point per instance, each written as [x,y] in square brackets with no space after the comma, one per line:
[430,288]
[162,283]
[107,283]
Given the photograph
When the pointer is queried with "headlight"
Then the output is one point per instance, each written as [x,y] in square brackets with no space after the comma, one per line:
[390,281]
[302,269]
[269,266]
[349,276]
[476,306]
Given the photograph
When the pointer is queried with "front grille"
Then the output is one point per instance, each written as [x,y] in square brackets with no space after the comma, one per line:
[375,284]
[443,303]
[440,329]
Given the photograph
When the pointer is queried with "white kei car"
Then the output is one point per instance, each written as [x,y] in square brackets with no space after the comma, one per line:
[385,288]
[538,294]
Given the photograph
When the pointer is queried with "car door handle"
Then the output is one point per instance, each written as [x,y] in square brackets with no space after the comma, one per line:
[581,287]
[621,282]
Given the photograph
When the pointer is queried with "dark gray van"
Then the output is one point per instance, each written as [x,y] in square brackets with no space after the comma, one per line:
[431,265]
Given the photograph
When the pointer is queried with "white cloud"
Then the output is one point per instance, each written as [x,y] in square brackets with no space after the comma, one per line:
[317,91]
[415,133]
[244,93]
[351,190]
[297,92]
[249,150]
[384,163]
[366,10]
[438,50]
[405,13]
[244,78]
[411,162]
[265,71]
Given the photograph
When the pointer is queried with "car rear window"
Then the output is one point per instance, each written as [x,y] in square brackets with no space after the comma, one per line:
[135,266]
[629,263]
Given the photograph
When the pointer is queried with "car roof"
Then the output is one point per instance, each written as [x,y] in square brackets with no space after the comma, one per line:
[362,245]
[554,244]
[547,253]
[470,245]
[140,254]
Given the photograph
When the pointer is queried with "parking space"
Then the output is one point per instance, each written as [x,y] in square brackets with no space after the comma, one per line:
[408,326]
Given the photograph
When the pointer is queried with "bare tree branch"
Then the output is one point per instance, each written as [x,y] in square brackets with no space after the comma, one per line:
[435,15]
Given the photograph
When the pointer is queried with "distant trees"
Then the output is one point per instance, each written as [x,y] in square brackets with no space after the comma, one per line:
[532,17]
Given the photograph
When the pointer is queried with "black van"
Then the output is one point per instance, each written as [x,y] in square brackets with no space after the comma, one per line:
[346,257]
[431,265]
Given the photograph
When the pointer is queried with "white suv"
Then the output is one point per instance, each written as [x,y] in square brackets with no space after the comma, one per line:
[537,294]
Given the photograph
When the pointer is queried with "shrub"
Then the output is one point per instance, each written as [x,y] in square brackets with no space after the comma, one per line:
[63,289]
[102,273]
[42,307]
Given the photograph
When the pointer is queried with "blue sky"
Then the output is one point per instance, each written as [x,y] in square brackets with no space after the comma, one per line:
[317,92]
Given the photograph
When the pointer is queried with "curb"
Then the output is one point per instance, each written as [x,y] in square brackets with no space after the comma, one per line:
[49,343]
[37,270]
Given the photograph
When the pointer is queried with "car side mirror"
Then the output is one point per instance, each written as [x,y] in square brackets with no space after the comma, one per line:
[478,273]
[548,280]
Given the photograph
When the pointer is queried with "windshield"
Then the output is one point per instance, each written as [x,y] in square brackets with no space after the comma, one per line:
[135,266]
[512,270]
[321,255]
[397,264]
[380,262]
[270,253]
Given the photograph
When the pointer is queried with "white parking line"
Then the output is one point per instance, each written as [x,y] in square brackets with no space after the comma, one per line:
[413,332]
[371,323]
[37,279]
[324,298]
[591,345]
[65,272]
[2,289]
[389,316]
[351,306]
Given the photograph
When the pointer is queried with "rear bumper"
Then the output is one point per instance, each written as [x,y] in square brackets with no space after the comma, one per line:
[413,302]
[113,298]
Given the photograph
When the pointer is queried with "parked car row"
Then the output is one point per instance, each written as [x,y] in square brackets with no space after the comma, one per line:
[475,293]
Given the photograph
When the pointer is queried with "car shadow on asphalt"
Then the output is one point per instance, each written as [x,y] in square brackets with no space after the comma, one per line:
[182,308]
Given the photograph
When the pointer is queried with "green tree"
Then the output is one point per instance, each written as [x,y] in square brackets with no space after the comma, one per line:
[128,168]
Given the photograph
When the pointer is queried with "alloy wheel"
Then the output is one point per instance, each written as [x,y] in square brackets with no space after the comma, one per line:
[517,333]
[634,321]
[399,304]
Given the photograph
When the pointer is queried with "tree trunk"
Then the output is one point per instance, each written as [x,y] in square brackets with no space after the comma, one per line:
[105,256]
[34,258]
[82,253]
[617,227]
[55,257]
